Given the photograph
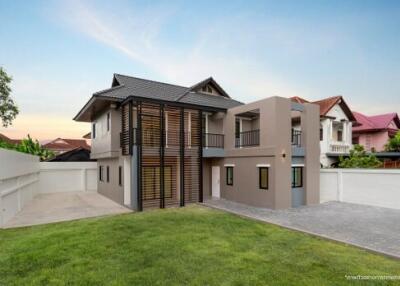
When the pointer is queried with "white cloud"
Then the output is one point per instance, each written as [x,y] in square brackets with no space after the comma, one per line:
[130,32]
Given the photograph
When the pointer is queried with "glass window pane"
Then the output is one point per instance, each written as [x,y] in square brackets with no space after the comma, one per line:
[263,178]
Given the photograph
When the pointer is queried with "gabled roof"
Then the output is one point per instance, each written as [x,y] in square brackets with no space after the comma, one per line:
[376,122]
[197,87]
[299,99]
[124,87]
[64,144]
[79,154]
[325,105]
[9,140]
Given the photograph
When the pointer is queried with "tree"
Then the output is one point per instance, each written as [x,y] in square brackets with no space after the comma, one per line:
[359,159]
[8,108]
[29,146]
[393,144]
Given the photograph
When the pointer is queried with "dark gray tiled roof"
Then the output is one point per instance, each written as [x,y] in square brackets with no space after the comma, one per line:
[131,86]
[151,89]
[209,100]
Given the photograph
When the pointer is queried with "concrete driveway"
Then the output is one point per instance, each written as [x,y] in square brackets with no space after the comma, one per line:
[49,208]
[373,228]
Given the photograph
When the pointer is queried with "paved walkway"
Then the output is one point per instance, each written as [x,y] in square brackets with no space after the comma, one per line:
[48,208]
[373,228]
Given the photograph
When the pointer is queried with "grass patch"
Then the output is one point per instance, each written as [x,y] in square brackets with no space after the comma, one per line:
[192,245]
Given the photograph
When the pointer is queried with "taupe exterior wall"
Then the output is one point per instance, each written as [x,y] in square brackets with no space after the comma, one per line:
[111,189]
[275,149]
[310,136]
[106,143]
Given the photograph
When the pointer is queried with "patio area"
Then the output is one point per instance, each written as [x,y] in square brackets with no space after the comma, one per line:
[56,207]
[373,228]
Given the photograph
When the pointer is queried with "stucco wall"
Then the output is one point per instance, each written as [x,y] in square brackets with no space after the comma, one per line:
[111,189]
[56,177]
[22,177]
[245,188]
[106,143]
[19,176]
[377,187]
[377,140]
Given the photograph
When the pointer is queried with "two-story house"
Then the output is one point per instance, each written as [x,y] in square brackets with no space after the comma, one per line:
[335,132]
[375,131]
[159,145]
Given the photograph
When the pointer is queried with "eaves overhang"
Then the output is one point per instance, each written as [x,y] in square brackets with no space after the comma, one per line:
[173,103]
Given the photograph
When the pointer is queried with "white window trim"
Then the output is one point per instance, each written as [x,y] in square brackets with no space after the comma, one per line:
[229,165]
[263,165]
[297,165]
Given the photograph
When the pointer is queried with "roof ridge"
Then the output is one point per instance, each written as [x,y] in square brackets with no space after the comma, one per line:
[109,89]
[328,98]
[155,81]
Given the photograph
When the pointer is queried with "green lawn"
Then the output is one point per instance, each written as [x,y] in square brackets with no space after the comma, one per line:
[192,245]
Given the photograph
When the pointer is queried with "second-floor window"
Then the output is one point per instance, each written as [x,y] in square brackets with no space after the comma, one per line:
[321,134]
[340,135]
[93,130]
[108,121]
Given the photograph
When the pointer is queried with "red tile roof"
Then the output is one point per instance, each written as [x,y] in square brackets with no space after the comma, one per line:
[62,144]
[376,122]
[9,140]
[326,104]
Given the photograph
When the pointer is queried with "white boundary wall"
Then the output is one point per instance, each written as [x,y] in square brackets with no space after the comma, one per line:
[19,176]
[22,177]
[377,187]
[56,177]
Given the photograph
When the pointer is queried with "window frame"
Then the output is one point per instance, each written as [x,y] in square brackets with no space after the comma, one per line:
[108,121]
[119,175]
[260,180]
[108,174]
[340,138]
[227,168]
[101,173]
[301,176]
[93,130]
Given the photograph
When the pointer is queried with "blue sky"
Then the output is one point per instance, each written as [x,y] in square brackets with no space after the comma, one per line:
[60,52]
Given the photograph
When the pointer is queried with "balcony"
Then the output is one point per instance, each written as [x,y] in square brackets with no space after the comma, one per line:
[247,138]
[296,138]
[211,140]
[339,147]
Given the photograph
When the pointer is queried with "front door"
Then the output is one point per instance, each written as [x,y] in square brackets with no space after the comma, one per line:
[215,178]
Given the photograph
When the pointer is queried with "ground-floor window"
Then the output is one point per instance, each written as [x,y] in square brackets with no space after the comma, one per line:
[120,176]
[101,173]
[151,182]
[108,173]
[263,178]
[229,176]
[297,177]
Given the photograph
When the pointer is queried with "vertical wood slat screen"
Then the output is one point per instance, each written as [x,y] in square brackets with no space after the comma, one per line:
[163,158]
[192,156]
[124,136]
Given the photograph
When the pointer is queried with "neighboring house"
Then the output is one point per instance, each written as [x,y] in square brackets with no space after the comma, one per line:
[375,131]
[336,122]
[61,145]
[79,154]
[160,145]
[9,140]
